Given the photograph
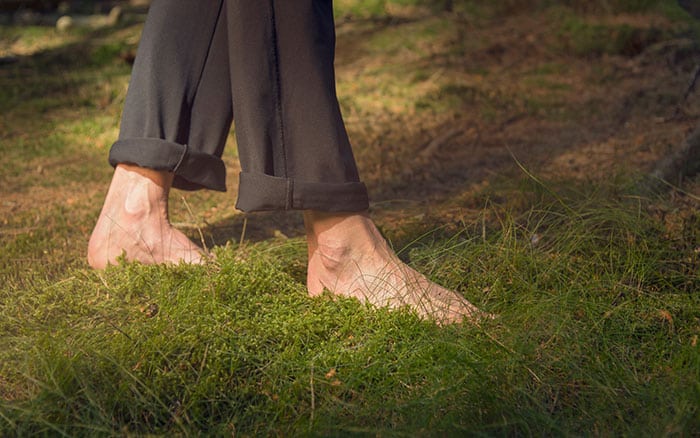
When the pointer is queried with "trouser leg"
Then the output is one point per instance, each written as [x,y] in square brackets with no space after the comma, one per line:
[293,146]
[278,71]
[177,112]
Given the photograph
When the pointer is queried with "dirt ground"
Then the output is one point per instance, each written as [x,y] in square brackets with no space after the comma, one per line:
[590,118]
[516,102]
[441,107]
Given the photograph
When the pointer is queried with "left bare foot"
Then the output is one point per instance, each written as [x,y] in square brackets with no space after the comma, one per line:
[349,257]
[134,222]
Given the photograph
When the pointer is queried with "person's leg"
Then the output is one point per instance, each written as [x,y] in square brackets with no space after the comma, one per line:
[295,154]
[293,148]
[174,125]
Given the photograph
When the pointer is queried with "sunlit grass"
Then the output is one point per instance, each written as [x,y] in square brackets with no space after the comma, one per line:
[595,293]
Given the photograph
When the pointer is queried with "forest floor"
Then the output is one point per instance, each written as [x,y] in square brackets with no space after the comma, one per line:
[439,108]
[502,153]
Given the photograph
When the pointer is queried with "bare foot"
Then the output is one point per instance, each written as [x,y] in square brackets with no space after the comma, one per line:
[349,257]
[134,222]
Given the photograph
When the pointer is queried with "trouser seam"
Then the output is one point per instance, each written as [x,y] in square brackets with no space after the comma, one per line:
[278,85]
[206,58]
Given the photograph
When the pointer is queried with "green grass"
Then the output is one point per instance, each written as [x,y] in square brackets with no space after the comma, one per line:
[597,328]
[594,287]
[587,39]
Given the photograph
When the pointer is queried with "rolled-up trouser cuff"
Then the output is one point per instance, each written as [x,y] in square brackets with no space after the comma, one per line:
[258,192]
[193,170]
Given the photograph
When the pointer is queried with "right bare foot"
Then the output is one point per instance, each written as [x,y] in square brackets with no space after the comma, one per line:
[349,257]
[134,222]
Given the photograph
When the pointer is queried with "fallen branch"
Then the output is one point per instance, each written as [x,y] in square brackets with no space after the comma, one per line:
[439,141]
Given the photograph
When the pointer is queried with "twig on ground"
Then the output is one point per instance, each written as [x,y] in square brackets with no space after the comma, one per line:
[199,229]
[313,397]
[439,141]
[245,225]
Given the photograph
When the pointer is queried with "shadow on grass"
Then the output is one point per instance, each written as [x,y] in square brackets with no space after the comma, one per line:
[51,78]
[401,160]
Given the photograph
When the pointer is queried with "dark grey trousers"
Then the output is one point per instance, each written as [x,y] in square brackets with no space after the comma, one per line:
[268,64]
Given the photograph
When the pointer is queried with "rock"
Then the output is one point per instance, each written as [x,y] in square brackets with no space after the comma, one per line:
[64,23]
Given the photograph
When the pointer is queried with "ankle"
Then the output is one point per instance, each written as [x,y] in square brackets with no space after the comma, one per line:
[137,193]
[318,222]
[161,178]
[336,230]
[335,257]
